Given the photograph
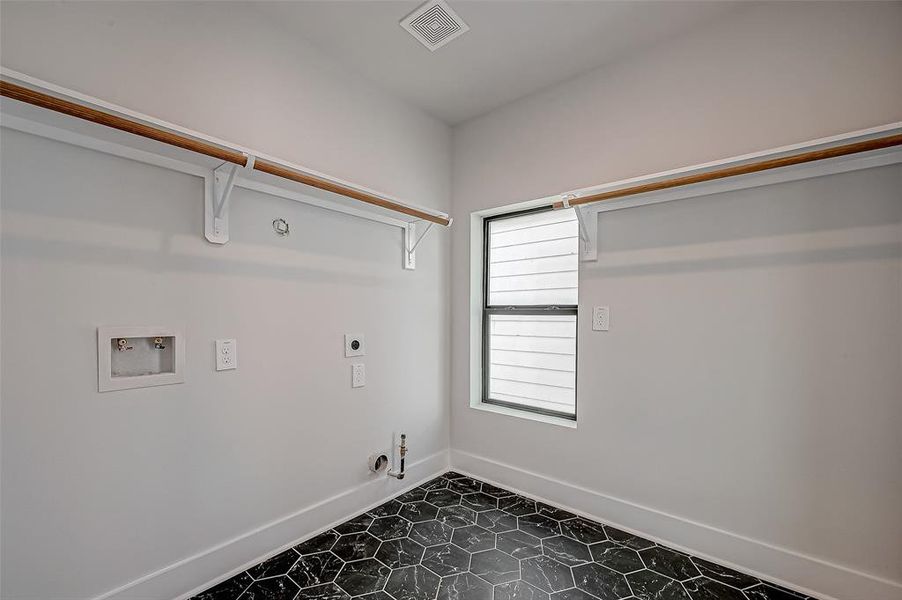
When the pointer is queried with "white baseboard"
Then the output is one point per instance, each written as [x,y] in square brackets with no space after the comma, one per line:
[783,566]
[213,565]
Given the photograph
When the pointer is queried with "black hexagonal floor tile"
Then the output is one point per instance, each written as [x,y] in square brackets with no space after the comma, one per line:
[479,501]
[519,544]
[363,576]
[546,573]
[724,575]
[495,491]
[465,586]
[412,583]
[558,514]
[616,557]
[600,581]
[464,485]
[387,509]
[566,550]
[771,592]
[473,538]
[495,566]
[274,588]
[402,552]
[319,543]
[627,539]
[446,559]
[417,494]
[538,525]
[702,588]
[277,565]
[443,498]
[496,521]
[389,528]
[574,594]
[355,546]
[455,537]
[584,530]
[439,483]
[649,585]
[228,589]
[669,562]
[430,533]
[380,595]
[315,569]
[519,590]
[355,525]
[329,591]
[517,505]
[456,516]
[418,511]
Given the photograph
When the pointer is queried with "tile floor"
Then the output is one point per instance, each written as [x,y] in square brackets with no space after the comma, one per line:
[456,538]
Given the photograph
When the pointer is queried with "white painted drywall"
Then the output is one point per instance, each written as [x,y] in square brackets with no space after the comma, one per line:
[102,489]
[751,378]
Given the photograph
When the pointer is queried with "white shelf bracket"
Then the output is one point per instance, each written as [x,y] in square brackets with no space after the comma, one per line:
[588,229]
[411,241]
[217,195]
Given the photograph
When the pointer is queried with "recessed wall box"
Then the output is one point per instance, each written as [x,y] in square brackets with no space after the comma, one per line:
[139,356]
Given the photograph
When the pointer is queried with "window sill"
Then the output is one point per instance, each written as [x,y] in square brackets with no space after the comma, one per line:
[523,414]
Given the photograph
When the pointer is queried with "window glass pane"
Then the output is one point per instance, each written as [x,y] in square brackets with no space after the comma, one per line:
[532,361]
[533,259]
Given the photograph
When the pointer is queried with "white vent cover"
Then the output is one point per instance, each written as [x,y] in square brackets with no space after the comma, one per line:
[434,24]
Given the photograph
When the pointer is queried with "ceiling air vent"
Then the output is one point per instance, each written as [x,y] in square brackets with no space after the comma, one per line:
[434,24]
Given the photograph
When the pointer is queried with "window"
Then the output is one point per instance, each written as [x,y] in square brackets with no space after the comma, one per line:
[529,311]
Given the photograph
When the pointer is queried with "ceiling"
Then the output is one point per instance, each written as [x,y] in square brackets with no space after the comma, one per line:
[513,48]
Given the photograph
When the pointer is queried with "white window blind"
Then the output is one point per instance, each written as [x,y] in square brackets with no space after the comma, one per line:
[530,311]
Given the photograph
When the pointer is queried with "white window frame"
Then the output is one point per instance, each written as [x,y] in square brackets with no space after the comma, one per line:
[477,298]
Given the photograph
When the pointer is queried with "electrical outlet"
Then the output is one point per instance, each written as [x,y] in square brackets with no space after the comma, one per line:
[358,375]
[226,354]
[354,344]
[601,318]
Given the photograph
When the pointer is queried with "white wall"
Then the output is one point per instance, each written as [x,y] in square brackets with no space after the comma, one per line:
[102,489]
[746,402]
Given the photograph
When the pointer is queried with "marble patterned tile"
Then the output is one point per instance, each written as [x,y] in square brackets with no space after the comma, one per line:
[649,585]
[495,566]
[616,557]
[315,569]
[600,581]
[675,565]
[519,590]
[402,552]
[465,586]
[496,521]
[319,543]
[418,511]
[546,573]
[277,565]
[473,538]
[703,588]
[412,583]
[228,589]
[363,576]
[458,538]
[430,533]
[355,546]
[566,550]
[446,559]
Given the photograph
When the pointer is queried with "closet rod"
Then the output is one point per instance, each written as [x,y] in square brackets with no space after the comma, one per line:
[40,99]
[754,167]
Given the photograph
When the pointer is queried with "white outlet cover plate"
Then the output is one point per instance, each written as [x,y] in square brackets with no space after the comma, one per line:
[358,375]
[226,354]
[601,318]
[350,338]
